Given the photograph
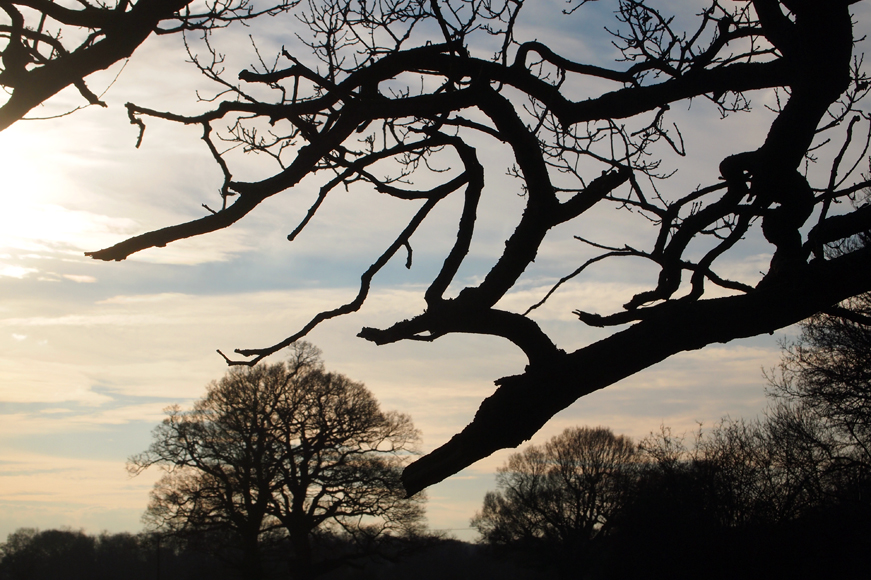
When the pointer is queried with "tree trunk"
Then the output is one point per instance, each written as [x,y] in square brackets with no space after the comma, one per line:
[252,565]
[301,567]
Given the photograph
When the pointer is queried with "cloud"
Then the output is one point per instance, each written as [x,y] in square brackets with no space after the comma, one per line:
[84,320]
[80,278]
[15,271]
[29,378]
[45,227]
[78,418]
[50,491]
[146,298]
[53,230]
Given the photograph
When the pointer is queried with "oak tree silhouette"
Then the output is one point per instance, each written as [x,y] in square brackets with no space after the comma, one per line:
[582,137]
[289,452]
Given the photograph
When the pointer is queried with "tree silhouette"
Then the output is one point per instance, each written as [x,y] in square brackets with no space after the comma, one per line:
[577,148]
[563,491]
[40,555]
[560,496]
[283,451]
[744,495]
[826,374]
[50,46]
[31,554]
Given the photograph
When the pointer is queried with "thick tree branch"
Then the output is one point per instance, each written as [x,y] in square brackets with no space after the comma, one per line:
[523,403]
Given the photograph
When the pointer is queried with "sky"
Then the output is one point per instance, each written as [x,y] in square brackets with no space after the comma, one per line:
[92,352]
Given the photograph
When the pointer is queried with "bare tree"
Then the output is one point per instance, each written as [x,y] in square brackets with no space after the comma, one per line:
[573,152]
[740,473]
[827,372]
[284,450]
[561,494]
[742,495]
[51,45]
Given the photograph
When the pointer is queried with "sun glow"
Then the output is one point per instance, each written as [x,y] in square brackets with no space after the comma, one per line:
[33,219]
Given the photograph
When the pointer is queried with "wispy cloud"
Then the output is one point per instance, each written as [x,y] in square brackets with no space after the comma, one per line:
[15,271]
[80,278]
[79,418]
[51,490]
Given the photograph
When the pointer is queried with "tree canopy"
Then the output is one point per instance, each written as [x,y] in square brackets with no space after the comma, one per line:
[562,493]
[283,450]
[428,84]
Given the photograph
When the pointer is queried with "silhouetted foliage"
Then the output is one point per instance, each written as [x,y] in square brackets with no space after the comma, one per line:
[417,82]
[135,557]
[556,499]
[739,500]
[34,555]
[826,374]
[285,458]
[30,554]
[442,559]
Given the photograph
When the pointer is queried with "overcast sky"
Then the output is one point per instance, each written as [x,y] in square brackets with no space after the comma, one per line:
[92,352]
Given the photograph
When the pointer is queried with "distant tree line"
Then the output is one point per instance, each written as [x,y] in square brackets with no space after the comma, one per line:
[30,554]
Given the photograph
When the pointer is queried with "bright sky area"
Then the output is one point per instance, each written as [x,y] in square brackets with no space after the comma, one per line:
[92,352]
